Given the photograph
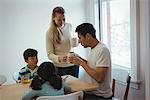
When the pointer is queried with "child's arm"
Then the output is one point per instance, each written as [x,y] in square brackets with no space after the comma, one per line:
[67,89]
[17,76]
[31,94]
[21,74]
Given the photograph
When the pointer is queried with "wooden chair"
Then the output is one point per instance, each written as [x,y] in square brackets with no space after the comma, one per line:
[15,77]
[128,79]
[3,79]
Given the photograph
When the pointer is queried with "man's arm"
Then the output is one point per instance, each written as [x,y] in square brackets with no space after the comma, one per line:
[98,74]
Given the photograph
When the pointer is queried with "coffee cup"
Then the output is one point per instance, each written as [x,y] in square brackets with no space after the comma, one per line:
[25,80]
[70,54]
[74,42]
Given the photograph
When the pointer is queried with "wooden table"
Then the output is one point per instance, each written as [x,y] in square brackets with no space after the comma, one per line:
[77,85]
[16,91]
[13,91]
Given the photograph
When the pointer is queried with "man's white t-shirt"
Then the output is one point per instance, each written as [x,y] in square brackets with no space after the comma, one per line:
[100,57]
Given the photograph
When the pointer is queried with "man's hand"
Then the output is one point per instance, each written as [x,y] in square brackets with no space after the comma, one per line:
[76,60]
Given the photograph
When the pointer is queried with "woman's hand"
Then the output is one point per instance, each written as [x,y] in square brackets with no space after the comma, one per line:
[62,59]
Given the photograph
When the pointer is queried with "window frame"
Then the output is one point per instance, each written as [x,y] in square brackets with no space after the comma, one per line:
[135,47]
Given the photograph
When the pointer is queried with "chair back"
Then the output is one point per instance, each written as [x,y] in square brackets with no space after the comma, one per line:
[127,87]
[72,96]
[124,76]
[113,87]
[3,79]
[15,76]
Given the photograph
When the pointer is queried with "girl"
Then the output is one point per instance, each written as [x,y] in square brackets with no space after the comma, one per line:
[46,83]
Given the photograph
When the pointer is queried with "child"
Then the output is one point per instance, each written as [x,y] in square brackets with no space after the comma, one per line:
[30,70]
[46,83]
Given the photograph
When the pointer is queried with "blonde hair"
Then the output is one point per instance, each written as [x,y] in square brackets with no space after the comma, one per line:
[53,27]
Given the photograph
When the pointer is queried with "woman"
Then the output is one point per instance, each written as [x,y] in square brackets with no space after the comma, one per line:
[58,43]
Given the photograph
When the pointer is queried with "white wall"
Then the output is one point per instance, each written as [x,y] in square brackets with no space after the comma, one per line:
[0,36]
[24,25]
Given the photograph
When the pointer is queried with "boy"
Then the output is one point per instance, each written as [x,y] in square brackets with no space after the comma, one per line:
[30,70]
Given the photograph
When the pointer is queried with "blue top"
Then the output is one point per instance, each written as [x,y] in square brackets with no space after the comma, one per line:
[47,90]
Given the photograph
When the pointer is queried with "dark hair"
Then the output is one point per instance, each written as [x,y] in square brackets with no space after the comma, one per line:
[85,28]
[46,72]
[29,53]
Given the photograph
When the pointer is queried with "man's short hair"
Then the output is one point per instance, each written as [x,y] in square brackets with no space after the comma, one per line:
[85,28]
[29,53]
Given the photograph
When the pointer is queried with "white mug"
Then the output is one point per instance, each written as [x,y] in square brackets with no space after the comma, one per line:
[70,54]
[74,42]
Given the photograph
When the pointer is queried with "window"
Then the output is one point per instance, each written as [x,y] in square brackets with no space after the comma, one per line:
[117,25]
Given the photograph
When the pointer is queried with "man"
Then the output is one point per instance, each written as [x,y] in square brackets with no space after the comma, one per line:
[98,65]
